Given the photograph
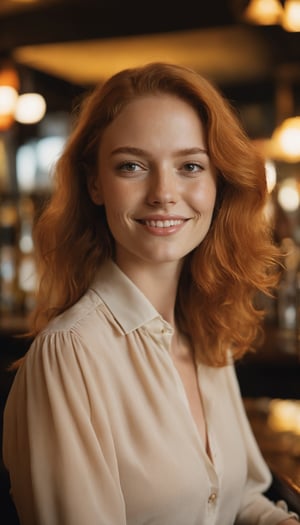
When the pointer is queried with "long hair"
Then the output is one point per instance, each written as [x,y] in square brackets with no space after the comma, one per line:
[220,278]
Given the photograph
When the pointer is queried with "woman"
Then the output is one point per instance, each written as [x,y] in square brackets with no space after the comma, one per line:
[126,409]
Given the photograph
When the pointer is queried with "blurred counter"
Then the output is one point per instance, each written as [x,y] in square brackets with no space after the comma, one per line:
[276,426]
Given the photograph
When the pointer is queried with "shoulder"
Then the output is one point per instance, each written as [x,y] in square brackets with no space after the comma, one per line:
[84,328]
[80,313]
[87,316]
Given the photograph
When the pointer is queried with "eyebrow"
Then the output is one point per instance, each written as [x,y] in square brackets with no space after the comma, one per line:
[139,151]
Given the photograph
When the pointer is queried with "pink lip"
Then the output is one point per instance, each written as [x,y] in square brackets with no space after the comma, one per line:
[163,218]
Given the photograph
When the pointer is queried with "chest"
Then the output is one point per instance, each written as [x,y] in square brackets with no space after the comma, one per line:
[158,428]
[191,383]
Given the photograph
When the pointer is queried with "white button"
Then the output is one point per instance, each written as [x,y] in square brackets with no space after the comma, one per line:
[212,498]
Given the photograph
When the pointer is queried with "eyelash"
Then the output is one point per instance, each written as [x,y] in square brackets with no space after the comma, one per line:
[128,165]
[196,165]
[125,166]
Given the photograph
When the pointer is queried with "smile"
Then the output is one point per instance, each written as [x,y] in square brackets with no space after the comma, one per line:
[163,224]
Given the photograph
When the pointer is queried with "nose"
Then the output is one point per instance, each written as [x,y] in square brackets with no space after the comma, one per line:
[163,188]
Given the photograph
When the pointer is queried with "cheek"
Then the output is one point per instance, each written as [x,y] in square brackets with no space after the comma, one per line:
[121,202]
[115,199]
[117,209]
[114,215]
[204,197]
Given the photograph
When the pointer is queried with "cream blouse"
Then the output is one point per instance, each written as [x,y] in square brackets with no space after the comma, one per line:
[98,431]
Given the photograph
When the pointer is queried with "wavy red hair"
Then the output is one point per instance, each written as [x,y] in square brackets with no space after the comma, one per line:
[220,278]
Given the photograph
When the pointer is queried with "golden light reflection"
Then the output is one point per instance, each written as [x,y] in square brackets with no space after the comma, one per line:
[284,416]
[271,174]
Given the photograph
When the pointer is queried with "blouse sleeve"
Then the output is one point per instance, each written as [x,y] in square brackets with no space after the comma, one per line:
[60,470]
[255,508]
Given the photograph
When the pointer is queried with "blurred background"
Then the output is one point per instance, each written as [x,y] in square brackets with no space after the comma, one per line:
[53,51]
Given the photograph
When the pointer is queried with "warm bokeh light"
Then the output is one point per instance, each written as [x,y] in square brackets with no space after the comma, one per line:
[263,12]
[9,86]
[290,136]
[30,108]
[286,140]
[284,415]
[9,75]
[8,101]
[288,195]
[25,1]
[291,15]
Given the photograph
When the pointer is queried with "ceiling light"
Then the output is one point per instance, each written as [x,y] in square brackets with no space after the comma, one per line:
[263,12]
[8,100]
[9,85]
[291,15]
[30,108]
[285,141]
[26,108]
[288,195]
[25,1]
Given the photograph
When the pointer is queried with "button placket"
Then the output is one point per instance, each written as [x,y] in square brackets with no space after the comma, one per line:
[165,337]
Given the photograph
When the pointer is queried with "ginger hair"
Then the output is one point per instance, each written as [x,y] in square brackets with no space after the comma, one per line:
[215,304]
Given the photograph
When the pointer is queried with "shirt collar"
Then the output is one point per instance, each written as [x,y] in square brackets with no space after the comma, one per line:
[123,298]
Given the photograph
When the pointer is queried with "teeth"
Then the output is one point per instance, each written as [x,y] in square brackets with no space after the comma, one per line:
[164,224]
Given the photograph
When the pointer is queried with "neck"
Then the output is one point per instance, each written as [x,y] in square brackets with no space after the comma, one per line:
[181,348]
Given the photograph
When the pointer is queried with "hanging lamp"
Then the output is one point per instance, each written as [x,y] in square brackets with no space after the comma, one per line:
[286,140]
[9,87]
[263,12]
[290,20]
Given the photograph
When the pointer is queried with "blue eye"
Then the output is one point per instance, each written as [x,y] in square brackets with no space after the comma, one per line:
[192,167]
[129,166]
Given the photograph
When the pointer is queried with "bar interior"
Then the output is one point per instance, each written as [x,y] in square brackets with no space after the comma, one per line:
[52,52]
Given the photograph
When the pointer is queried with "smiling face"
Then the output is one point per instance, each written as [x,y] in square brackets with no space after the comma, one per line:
[155,181]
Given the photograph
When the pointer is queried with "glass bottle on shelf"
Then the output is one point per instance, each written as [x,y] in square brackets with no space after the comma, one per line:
[9,295]
[287,297]
[26,268]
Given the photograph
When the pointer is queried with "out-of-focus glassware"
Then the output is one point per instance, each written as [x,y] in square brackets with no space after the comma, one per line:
[8,258]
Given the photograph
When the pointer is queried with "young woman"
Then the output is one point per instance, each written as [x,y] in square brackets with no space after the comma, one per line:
[126,409]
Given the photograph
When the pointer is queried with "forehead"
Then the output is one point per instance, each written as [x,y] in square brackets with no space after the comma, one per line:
[155,114]
[157,101]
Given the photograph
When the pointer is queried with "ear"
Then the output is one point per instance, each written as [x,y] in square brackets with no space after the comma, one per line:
[95,189]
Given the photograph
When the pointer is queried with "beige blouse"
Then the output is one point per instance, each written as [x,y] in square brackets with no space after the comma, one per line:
[98,430]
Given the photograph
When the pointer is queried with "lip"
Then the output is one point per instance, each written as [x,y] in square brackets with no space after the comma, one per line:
[161,217]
